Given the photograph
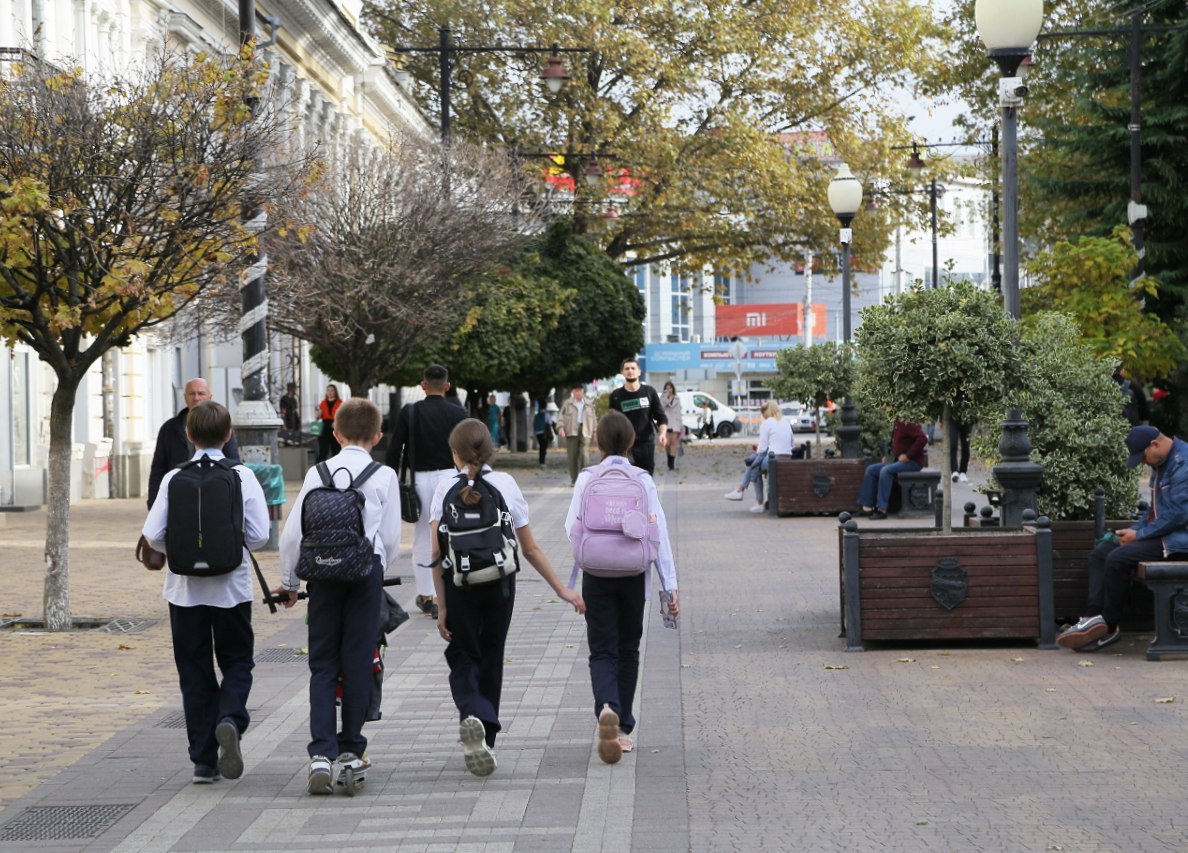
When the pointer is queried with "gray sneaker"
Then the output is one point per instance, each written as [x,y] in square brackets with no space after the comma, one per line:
[1086,631]
[321,776]
[230,756]
[480,760]
[1103,641]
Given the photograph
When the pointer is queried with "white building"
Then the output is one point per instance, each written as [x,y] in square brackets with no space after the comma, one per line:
[721,334]
[344,88]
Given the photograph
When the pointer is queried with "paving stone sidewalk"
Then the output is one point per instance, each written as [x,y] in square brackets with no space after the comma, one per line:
[751,736]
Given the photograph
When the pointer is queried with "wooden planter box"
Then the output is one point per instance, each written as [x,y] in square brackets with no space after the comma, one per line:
[813,486]
[972,583]
[1071,543]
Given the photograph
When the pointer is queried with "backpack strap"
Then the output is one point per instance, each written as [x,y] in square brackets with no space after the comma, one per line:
[324,472]
[371,468]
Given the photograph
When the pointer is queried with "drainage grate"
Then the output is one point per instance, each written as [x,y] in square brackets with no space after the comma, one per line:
[176,720]
[280,655]
[53,823]
[128,626]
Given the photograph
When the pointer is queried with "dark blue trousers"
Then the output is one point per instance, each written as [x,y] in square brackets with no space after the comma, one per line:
[478,619]
[614,626]
[1111,567]
[343,633]
[202,635]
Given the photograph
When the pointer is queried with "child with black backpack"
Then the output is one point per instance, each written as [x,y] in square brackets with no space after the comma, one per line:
[342,533]
[480,523]
[617,529]
[206,515]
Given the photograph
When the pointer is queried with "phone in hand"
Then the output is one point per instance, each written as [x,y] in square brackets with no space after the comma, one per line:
[670,621]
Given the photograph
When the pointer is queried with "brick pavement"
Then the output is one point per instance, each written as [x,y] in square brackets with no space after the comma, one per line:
[747,741]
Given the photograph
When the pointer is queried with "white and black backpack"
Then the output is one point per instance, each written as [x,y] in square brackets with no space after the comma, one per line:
[477,543]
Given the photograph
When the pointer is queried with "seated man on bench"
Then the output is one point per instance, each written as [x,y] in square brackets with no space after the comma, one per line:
[908,444]
[1161,536]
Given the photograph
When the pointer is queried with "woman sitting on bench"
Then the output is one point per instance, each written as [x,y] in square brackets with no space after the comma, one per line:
[775,436]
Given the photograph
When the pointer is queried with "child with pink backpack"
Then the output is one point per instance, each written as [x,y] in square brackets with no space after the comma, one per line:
[617,529]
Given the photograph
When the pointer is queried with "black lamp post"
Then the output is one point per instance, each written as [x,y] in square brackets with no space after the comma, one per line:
[845,197]
[917,164]
[1008,27]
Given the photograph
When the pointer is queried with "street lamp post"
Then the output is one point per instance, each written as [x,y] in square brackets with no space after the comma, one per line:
[845,197]
[1008,27]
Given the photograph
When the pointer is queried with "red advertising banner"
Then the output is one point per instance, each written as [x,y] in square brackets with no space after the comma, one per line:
[767,321]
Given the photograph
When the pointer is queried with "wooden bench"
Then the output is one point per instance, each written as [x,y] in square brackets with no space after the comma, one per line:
[1168,583]
[813,486]
[914,494]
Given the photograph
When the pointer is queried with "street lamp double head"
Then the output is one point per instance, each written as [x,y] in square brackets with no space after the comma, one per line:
[916,164]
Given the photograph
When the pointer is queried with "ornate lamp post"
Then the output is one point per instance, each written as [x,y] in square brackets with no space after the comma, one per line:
[1008,27]
[845,197]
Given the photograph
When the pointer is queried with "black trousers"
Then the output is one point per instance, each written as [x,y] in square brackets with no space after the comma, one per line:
[327,444]
[478,618]
[1111,567]
[203,635]
[958,434]
[614,626]
[643,455]
[343,634]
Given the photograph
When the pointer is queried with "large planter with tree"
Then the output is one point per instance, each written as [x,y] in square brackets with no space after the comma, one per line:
[942,355]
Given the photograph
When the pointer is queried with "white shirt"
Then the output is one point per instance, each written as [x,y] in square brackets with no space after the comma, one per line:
[665,563]
[503,483]
[227,590]
[775,436]
[381,510]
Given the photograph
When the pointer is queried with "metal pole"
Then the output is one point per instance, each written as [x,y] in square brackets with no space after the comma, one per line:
[846,292]
[445,45]
[932,206]
[1136,213]
[1010,213]
[849,433]
[996,213]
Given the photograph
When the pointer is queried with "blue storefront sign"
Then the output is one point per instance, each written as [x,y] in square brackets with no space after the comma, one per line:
[752,358]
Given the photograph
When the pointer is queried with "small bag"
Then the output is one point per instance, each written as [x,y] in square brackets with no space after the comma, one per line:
[410,504]
[150,557]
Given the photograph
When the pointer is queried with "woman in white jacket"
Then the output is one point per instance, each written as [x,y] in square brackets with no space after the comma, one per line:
[775,437]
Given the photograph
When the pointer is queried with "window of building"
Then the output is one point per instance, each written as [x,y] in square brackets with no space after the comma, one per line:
[681,313]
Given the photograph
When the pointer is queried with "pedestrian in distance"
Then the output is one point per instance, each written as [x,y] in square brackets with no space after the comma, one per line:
[210,615]
[577,424]
[290,415]
[775,437]
[493,419]
[641,404]
[615,561]
[473,618]
[1161,536]
[542,429]
[957,437]
[344,616]
[327,444]
[670,402]
[173,448]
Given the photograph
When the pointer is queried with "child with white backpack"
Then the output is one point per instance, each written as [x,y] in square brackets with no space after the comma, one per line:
[617,529]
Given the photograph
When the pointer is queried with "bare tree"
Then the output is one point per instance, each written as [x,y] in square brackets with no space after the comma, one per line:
[394,237]
[120,203]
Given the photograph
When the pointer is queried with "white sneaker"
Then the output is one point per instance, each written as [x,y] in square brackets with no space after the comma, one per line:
[963,478]
[480,760]
[955,476]
[758,508]
[321,777]
[734,496]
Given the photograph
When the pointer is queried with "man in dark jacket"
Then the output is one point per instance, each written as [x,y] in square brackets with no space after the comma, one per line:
[641,404]
[908,443]
[172,446]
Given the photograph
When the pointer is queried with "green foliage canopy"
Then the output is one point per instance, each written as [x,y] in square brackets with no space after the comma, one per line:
[814,374]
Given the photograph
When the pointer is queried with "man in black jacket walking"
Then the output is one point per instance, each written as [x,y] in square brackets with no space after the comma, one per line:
[173,448]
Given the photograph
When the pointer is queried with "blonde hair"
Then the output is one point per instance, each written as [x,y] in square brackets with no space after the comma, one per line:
[772,409]
[471,441]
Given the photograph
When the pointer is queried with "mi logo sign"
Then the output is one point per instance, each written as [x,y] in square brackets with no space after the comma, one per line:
[755,319]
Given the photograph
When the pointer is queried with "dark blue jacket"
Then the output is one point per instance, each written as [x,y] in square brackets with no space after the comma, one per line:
[1171,502]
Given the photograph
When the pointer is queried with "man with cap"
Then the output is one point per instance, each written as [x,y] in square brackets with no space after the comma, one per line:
[1162,535]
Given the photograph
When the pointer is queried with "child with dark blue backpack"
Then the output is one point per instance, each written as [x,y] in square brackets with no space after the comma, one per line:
[615,553]
[344,615]
[210,616]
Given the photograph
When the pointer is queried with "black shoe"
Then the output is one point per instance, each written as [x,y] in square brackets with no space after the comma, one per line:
[425,603]
[877,515]
[433,610]
[205,774]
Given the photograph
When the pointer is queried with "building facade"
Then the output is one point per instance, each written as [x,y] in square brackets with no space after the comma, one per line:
[342,89]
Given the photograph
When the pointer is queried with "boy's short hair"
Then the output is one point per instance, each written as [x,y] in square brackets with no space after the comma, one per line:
[207,424]
[436,376]
[615,433]
[357,419]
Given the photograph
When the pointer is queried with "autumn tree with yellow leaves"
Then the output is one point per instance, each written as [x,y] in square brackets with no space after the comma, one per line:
[120,202]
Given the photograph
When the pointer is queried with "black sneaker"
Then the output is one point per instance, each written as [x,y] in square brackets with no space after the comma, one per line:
[877,515]
[230,756]
[425,603]
[1101,642]
[204,774]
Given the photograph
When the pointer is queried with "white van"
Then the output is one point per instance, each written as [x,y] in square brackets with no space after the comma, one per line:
[726,421]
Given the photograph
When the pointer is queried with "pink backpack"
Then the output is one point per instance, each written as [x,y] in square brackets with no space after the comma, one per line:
[615,535]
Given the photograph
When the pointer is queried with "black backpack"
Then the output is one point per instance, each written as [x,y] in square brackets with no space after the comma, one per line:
[334,545]
[204,525]
[477,543]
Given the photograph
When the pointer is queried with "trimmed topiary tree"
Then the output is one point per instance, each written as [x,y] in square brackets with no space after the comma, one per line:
[1072,407]
[814,375]
[942,354]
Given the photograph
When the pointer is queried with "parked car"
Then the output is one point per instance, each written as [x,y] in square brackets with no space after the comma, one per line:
[726,420]
[804,418]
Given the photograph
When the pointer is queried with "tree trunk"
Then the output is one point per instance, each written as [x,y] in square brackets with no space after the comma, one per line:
[947,472]
[56,601]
